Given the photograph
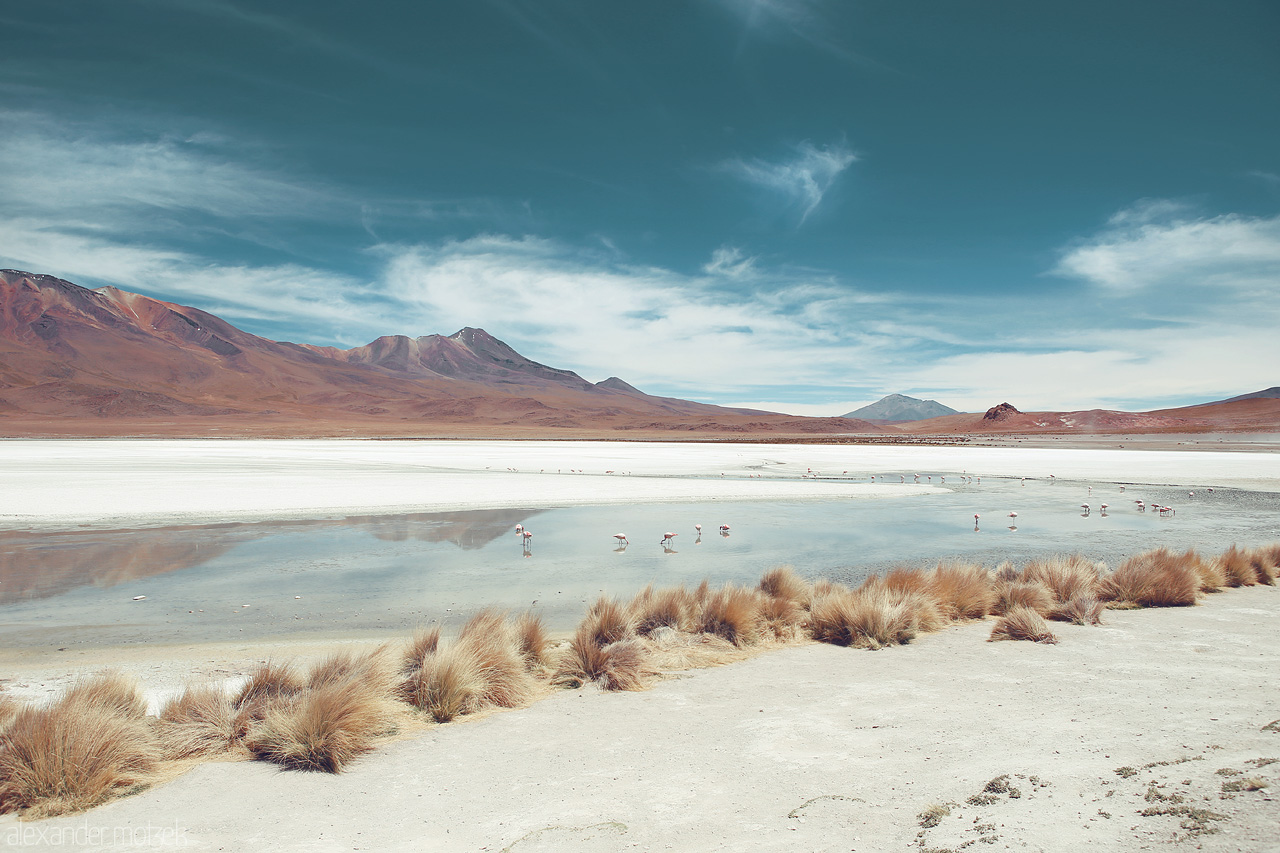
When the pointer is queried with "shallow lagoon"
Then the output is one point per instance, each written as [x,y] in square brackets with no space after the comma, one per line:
[388,573]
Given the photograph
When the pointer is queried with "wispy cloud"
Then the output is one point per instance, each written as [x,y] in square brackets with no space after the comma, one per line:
[801,180]
[1161,243]
[730,262]
[799,19]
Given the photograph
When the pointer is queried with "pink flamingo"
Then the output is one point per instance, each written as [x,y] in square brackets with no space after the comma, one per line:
[698,527]
[667,537]
[1166,509]
[622,538]
[519,529]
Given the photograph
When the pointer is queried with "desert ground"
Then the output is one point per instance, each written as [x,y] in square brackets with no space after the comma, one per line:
[946,743]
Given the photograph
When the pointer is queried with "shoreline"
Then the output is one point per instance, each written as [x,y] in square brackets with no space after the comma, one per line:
[849,740]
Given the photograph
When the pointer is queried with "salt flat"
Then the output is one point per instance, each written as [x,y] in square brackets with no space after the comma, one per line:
[120,483]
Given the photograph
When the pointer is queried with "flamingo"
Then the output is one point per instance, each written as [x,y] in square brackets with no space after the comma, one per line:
[527,535]
[519,529]
[667,537]
[1191,494]
[1013,515]
[1085,507]
[1167,509]
[1122,488]
[975,522]
[622,538]
[698,527]
[1104,508]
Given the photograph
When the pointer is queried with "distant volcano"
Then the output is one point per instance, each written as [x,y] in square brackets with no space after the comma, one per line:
[900,408]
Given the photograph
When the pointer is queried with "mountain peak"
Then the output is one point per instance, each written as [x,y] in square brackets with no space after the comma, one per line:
[613,383]
[899,407]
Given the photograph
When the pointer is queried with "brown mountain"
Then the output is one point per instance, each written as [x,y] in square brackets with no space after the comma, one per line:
[1245,415]
[75,361]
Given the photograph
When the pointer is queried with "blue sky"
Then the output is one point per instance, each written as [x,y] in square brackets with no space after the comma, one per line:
[793,204]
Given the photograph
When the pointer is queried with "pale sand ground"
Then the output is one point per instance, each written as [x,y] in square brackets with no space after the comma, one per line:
[812,748]
[105,483]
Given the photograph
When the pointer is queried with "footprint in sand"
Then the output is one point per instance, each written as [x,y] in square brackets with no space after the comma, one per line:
[834,822]
[596,838]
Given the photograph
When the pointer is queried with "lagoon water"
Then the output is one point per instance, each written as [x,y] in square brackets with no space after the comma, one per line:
[381,574]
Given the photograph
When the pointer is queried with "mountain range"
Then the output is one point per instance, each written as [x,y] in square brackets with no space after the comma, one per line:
[75,361]
[104,361]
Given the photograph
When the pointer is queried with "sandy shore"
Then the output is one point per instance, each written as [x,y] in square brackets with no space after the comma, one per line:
[808,748]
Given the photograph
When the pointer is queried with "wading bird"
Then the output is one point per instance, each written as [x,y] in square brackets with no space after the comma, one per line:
[667,537]
[622,538]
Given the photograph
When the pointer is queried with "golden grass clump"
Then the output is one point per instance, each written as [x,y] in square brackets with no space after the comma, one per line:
[425,642]
[1014,593]
[783,582]
[1081,610]
[665,608]
[870,618]
[1067,577]
[781,617]
[199,722]
[1006,572]
[907,579]
[732,613]
[324,727]
[1212,578]
[77,752]
[1022,623]
[617,666]
[447,683]
[1264,569]
[1237,568]
[9,708]
[1155,578]
[488,665]
[963,591]
[531,635]
[609,621]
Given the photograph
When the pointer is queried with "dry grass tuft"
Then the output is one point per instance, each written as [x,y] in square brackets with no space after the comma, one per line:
[531,635]
[1237,568]
[1013,593]
[610,622]
[781,617]
[268,682]
[1022,623]
[783,582]
[324,727]
[110,692]
[9,708]
[1156,578]
[1081,610]
[823,587]
[370,668]
[907,579]
[1264,568]
[1006,572]
[78,752]
[448,682]
[732,613]
[425,642]
[507,682]
[200,722]
[1067,577]
[963,591]
[617,666]
[870,618]
[666,608]
[1212,578]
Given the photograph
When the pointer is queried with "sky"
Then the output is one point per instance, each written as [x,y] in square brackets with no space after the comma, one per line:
[795,205]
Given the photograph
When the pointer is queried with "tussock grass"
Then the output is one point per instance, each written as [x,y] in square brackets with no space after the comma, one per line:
[1212,578]
[870,618]
[783,582]
[1006,573]
[531,635]
[9,708]
[507,682]
[610,622]
[199,722]
[907,579]
[1067,577]
[77,752]
[1081,610]
[733,613]
[1155,578]
[1237,568]
[781,617]
[1022,623]
[324,727]
[667,608]
[1263,567]
[622,665]
[425,642]
[963,590]
[1015,593]
[447,683]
